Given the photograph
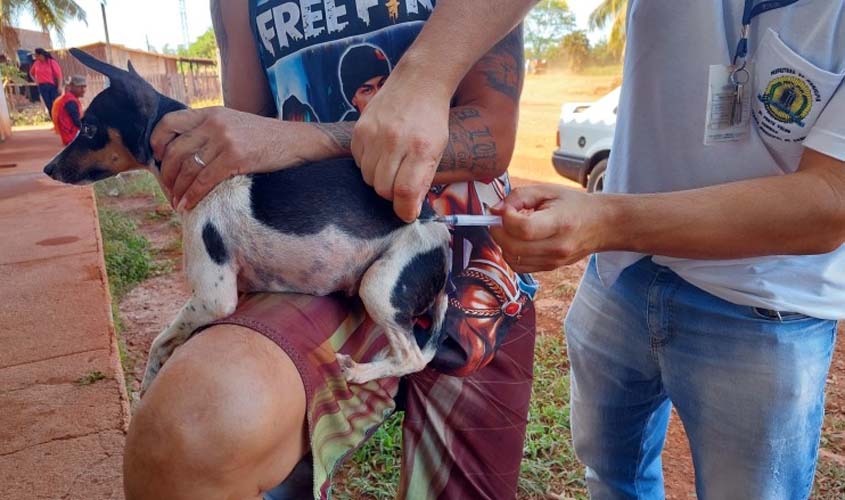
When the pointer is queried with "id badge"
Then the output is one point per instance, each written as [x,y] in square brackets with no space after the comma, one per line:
[728,105]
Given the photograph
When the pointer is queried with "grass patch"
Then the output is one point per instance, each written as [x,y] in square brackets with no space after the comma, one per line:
[549,464]
[206,103]
[127,253]
[373,470]
[128,262]
[138,183]
[30,116]
[91,378]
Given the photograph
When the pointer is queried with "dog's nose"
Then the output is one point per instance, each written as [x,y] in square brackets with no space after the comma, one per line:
[49,169]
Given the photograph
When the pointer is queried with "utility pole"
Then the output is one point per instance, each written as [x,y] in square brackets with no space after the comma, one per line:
[183,13]
[106,27]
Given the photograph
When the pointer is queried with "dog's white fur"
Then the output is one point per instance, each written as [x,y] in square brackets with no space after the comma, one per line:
[265,260]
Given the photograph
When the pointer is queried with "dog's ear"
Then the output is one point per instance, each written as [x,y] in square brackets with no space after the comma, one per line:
[115,74]
[132,69]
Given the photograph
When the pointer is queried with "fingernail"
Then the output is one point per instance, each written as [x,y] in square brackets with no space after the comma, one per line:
[182,203]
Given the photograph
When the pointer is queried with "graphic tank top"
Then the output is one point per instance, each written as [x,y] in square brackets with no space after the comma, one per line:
[325,60]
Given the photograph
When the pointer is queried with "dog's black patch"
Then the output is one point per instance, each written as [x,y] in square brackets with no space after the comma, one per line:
[305,200]
[214,244]
[420,282]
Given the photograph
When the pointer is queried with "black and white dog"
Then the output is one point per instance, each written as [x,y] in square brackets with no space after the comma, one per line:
[313,229]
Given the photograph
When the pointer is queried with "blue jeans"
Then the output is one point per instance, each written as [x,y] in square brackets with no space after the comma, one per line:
[747,384]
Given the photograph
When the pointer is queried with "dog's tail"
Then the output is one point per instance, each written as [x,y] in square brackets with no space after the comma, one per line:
[438,317]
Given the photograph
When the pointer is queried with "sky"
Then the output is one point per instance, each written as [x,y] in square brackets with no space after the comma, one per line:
[133,22]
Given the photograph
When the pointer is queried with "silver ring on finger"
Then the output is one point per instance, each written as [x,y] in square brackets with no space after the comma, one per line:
[198,160]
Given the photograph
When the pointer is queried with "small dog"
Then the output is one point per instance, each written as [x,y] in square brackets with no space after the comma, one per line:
[313,229]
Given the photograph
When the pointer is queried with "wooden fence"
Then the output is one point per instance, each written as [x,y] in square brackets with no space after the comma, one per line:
[188,88]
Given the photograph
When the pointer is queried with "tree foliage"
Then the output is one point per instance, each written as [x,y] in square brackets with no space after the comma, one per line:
[205,47]
[612,12]
[545,26]
[49,14]
[575,49]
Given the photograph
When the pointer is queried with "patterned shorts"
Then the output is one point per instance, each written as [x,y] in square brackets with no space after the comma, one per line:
[462,437]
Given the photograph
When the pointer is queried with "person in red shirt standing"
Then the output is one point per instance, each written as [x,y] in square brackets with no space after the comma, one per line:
[67,110]
[47,74]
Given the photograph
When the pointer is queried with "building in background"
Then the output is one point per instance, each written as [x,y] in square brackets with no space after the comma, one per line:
[188,80]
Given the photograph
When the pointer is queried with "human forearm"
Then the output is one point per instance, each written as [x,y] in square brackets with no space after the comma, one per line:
[798,214]
[479,146]
[453,47]
[545,226]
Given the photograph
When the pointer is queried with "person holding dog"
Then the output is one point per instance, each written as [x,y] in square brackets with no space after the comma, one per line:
[259,398]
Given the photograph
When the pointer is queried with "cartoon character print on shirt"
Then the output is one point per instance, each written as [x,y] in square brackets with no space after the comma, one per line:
[325,60]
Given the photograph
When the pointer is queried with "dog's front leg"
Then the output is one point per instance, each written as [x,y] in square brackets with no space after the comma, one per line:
[214,296]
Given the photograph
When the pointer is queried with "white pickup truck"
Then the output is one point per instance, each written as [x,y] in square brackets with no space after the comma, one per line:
[584,138]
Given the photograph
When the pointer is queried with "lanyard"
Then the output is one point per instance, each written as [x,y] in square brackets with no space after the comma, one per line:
[751,11]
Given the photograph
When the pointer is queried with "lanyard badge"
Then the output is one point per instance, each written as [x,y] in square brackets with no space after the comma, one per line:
[729,93]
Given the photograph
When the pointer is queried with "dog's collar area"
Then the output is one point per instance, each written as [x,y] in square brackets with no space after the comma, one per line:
[163,105]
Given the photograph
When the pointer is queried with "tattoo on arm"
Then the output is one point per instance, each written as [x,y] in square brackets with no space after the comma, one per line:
[503,66]
[471,143]
[340,133]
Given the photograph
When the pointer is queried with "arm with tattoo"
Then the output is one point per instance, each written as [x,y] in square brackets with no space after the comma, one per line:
[482,124]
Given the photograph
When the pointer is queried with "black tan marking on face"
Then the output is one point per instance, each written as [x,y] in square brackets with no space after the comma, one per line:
[214,244]
[90,159]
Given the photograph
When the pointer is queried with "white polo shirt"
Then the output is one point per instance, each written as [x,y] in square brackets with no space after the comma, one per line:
[798,54]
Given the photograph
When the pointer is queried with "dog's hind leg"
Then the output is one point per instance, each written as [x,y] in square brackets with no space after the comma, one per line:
[214,295]
[416,283]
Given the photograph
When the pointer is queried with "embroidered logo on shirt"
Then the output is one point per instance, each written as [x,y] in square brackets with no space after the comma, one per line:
[789,99]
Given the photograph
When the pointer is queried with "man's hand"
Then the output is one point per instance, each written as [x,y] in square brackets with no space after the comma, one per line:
[546,227]
[228,143]
[399,152]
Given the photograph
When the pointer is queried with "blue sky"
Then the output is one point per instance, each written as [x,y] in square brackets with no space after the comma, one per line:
[132,22]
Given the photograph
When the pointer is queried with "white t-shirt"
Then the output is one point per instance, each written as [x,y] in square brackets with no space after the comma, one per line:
[798,56]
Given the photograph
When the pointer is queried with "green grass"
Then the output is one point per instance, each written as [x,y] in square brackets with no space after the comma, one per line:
[91,378]
[127,253]
[549,464]
[139,183]
[373,470]
[30,116]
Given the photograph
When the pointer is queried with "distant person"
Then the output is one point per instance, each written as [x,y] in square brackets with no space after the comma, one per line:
[47,74]
[67,110]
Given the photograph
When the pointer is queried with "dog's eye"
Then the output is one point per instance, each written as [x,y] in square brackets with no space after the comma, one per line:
[88,131]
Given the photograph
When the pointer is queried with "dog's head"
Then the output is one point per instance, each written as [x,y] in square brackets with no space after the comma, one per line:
[116,127]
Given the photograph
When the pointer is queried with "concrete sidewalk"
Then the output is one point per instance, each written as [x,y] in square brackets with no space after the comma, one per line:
[59,439]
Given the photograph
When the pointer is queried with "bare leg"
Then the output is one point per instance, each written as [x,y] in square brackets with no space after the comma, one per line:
[224,419]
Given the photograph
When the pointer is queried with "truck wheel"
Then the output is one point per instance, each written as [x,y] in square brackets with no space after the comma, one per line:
[595,183]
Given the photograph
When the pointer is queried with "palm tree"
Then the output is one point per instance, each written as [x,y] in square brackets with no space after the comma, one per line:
[615,12]
[50,14]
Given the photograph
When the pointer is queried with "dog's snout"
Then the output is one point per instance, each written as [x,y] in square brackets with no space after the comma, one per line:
[49,169]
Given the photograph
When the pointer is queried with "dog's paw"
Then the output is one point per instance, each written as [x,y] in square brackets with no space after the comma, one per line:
[347,364]
[351,370]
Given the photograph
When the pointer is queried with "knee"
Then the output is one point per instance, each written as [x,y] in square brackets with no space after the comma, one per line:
[223,402]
